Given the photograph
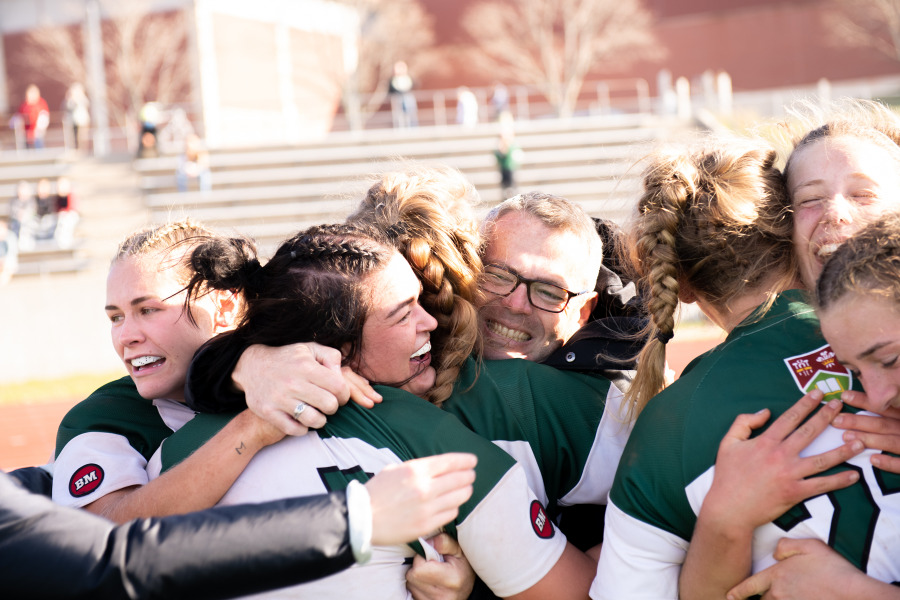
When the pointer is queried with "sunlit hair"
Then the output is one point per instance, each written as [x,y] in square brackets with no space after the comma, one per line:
[867,263]
[168,246]
[711,216]
[312,290]
[428,214]
[557,214]
[807,123]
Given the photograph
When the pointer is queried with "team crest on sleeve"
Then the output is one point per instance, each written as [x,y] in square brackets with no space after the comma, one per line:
[819,369]
[85,480]
[542,525]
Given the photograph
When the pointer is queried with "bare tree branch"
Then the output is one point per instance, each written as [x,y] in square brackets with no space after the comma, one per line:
[390,31]
[555,43]
[144,55]
[873,24]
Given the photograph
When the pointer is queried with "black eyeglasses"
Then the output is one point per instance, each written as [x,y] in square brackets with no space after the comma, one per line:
[542,295]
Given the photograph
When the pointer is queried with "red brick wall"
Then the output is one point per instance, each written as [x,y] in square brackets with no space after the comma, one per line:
[761,43]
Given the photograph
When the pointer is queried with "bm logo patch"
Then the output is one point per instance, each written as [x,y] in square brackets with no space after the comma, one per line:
[539,521]
[819,369]
[85,480]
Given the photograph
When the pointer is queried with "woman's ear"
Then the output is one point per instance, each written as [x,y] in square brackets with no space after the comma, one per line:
[228,308]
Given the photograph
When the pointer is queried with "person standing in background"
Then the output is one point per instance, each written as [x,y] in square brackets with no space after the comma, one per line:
[35,117]
[509,157]
[77,110]
[403,102]
[193,164]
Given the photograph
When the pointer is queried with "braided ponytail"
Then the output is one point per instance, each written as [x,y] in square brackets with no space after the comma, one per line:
[669,185]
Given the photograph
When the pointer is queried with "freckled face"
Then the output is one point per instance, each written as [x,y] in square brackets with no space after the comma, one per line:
[864,332]
[396,336]
[837,186]
[150,332]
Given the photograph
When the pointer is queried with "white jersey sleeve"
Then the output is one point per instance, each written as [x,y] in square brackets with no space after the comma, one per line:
[94,464]
[638,561]
[513,519]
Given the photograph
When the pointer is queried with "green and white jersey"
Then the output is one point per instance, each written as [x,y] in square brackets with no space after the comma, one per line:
[668,464]
[564,428]
[104,442]
[503,529]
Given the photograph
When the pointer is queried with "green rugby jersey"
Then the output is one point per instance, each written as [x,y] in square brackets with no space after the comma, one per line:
[503,529]
[565,428]
[104,442]
[668,463]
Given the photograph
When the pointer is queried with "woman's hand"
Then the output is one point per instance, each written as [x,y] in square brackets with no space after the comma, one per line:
[418,497]
[759,479]
[810,569]
[452,579]
[755,481]
[276,379]
[879,433]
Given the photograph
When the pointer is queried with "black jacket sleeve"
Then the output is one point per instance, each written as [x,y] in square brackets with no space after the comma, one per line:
[49,551]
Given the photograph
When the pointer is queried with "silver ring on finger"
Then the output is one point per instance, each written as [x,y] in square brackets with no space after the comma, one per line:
[298,410]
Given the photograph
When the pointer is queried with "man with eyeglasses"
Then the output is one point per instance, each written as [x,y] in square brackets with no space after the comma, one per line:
[548,296]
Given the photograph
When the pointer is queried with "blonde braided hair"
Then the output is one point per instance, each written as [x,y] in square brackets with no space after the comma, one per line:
[714,218]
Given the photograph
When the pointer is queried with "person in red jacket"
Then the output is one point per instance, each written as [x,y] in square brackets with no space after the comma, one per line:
[35,117]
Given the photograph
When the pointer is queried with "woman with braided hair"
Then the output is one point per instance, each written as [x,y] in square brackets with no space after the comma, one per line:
[570,446]
[161,310]
[428,211]
[712,229]
[346,286]
[841,174]
[103,469]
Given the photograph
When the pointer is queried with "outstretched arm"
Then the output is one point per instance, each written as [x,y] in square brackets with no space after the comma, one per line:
[199,481]
[756,480]
[222,552]
[218,553]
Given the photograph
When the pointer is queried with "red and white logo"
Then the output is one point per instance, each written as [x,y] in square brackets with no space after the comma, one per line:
[85,480]
[542,525]
[819,369]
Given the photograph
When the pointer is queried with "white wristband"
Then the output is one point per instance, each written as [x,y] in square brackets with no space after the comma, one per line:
[359,515]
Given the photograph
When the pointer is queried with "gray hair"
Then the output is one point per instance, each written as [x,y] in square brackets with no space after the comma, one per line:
[558,214]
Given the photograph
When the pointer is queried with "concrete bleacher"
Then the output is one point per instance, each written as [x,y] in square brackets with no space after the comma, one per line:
[271,192]
[46,257]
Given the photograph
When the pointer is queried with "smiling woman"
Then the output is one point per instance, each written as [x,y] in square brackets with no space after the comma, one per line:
[858,297]
[146,308]
[156,327]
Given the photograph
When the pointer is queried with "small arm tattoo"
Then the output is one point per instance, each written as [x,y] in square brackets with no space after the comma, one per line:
[240,448]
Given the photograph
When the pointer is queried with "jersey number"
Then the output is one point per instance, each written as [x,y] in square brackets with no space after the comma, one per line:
[854,517]
[338,479]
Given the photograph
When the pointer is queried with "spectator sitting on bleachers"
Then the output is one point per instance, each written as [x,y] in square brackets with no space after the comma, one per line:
[9,256]
[45,211]
[23,216]
[66,215]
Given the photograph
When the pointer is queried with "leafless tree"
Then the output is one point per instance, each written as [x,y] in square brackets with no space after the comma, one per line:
[145,56]
[389,31]
[871,24]
[554,43]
